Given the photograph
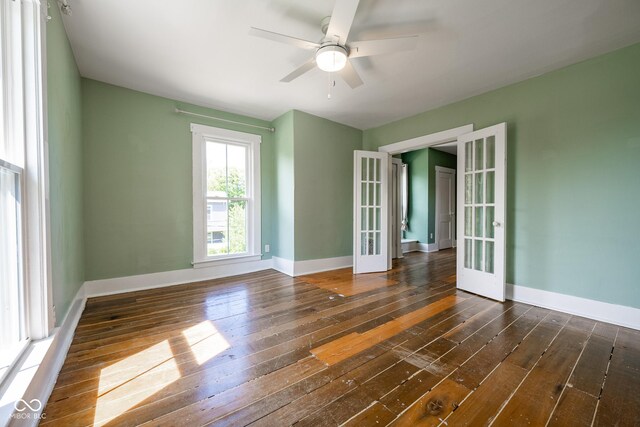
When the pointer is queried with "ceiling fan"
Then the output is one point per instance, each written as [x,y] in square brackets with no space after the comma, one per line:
[334,52]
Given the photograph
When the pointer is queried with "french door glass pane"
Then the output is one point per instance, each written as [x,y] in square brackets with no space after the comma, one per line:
[468,188]
[364,169]
[363,193]
[467,253]
[477,255]
[491,152]
[479,190]
[479,155]
[488,257]
[489,228]
[10,266]
[478,224]
[371,169]
[363,243]
[491,184]
[468,221]
[468,159]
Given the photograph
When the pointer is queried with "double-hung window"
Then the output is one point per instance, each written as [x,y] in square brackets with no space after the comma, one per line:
[25,304]
[226,190]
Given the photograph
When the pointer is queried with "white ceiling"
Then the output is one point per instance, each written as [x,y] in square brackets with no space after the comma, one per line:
[199,51]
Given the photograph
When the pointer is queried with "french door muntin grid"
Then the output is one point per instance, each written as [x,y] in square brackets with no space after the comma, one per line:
[479,204]
[371,208]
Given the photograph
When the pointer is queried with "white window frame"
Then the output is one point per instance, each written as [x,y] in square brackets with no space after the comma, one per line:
[200,135]
[23,68]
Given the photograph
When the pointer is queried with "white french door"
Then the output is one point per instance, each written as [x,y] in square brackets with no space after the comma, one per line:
[481,212]
[371,212]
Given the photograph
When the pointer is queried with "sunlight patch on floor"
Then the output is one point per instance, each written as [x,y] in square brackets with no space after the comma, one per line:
[155,369]
[206,341]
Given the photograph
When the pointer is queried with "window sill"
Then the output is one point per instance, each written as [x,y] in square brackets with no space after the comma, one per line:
[227,260]
[19,379]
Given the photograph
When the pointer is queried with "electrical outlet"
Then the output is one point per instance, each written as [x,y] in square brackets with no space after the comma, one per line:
[267,248]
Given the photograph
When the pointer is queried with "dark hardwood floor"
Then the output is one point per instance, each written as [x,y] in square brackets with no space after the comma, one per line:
[401,348]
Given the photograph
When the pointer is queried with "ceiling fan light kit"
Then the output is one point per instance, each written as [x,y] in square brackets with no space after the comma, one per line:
[331,58]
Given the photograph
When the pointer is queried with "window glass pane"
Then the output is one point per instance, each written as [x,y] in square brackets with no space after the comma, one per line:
[10,270]
[468,220]
[467,253]
[488,257]
[491,183]
[468,159]
[479,154]
[372,196]
[216,169]
[238,227]
[491,152]
[490,211]
[477,255]
[217,233]
[479,190]
[237,171]
[468,188]
[478,225]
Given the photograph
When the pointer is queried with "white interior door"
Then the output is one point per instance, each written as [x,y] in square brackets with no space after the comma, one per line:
[481,210]
[445,207]
[371,212]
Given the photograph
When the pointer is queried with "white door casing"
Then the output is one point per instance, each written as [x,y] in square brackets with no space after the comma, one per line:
[396,205]
[371,252]
[445,207]
[482,212]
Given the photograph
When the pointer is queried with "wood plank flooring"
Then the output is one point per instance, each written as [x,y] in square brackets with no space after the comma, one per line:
[400,348]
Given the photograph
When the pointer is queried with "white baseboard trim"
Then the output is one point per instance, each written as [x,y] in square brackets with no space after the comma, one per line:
[283,265]
[602,311]
[424,247]
[299,268]
[39,367]
[324,264]
[162,279]
[409,246]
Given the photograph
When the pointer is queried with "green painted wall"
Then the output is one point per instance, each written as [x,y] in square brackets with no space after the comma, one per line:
[323,186]
[283,167]
[573,173]
[418,185]
[436,158]
[138,182]
[65,166]
[422,191]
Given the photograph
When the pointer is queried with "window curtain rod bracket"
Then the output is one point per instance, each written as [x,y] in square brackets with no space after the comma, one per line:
[179,111]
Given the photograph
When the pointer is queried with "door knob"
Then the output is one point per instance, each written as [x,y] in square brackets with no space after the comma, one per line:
[496,224]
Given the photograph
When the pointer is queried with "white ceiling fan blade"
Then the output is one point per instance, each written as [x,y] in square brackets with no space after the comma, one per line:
[270,35]
[350,75]
[378,47]
[307,66]
[341,19]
